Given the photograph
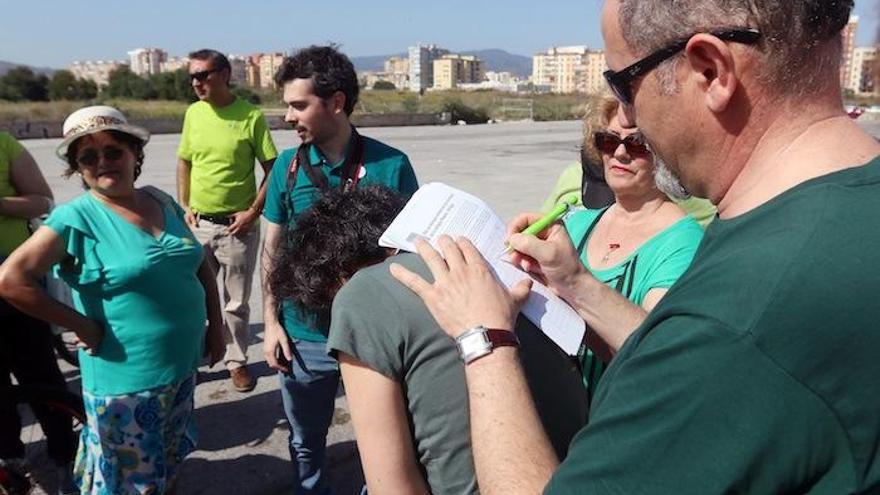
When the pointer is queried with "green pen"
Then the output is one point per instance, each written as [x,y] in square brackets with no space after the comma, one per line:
[552,216]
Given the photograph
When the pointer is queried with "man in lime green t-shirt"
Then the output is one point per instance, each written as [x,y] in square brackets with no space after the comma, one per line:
[216,185]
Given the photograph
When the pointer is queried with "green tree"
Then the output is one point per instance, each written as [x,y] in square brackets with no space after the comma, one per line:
[183,86]
[173,86]
[123,83]
[384,86]
[142,89]
[118,83]
[87,89]
[20,83]
[246,94]
[63,86]
[164,86]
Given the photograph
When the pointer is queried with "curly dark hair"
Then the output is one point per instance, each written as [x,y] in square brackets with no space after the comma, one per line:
[133,143]
[331,241]
[330,70]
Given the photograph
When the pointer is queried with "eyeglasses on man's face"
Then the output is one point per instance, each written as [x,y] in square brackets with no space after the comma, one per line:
[621,82]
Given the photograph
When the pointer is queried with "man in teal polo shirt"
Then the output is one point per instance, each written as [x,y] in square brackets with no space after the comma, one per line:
[216,185]
[320,90]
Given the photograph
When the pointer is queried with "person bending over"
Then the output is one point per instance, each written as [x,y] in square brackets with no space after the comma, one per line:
[404,378]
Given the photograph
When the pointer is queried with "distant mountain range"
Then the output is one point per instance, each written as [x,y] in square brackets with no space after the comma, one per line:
[495,59]
[5,66]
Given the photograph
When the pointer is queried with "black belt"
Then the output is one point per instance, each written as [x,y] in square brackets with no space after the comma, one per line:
[216,219]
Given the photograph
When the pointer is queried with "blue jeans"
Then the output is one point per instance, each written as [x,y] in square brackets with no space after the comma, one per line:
[308,393]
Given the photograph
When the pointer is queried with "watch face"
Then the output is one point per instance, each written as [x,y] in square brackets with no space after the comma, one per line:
[473,344]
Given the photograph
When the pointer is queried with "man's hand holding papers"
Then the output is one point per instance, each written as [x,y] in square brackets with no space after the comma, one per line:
[436,210]
[461,271]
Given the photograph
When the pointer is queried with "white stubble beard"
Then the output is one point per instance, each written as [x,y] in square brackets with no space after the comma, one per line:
[667,182]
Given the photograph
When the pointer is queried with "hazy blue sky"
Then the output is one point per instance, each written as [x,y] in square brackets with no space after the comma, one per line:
[54,33]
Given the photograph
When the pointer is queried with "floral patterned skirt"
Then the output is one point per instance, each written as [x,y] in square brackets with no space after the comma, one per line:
[134,443]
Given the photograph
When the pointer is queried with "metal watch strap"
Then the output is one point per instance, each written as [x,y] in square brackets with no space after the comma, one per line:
[480,341]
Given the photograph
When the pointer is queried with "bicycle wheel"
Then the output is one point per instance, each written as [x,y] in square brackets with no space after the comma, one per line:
[57,400]
[13,482]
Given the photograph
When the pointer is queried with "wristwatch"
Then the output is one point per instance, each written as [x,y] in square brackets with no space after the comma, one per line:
[479,341]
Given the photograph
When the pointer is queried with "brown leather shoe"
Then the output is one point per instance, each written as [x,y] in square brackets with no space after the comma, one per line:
[242,380]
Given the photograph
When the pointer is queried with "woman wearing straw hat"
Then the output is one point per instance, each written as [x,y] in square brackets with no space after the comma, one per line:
[142,293]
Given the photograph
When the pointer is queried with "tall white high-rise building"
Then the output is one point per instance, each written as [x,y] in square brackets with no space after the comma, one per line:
[421,66]
[147,61]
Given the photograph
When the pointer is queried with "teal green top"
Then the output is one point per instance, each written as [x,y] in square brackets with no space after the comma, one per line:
[384,165]
[143,289]
[656,264]
[757,372]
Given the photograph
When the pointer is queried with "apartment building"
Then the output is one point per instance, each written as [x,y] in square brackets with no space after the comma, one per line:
[252,70]
[146,62]
[570,69]
[849,42]
[451,70]
[269,64]
[396,72]
[396,65]
[238,69]
[97,71]
[863,75]
[174,63]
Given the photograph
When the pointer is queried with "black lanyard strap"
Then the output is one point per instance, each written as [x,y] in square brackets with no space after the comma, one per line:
[354,162]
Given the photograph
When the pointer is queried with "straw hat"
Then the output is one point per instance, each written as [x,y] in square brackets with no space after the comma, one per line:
[90,120]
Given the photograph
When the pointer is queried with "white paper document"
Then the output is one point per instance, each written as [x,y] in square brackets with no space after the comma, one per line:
[437,209]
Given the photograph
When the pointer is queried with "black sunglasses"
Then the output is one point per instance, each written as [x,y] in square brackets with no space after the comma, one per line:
[608,142]
[201,76]
[621,81]
[91,156]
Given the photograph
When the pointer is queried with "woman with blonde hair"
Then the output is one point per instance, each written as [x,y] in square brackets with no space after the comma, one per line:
[586,179]
[638,244]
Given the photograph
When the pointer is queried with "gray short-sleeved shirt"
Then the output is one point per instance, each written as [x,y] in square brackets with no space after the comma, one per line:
[380,322]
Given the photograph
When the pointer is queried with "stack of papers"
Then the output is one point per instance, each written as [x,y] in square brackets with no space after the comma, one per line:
[437,209]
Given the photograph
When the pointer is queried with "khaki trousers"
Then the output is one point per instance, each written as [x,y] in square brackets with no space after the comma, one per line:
[234,259]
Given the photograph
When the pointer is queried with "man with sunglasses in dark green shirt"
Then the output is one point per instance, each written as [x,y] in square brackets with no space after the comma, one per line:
[757,371]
